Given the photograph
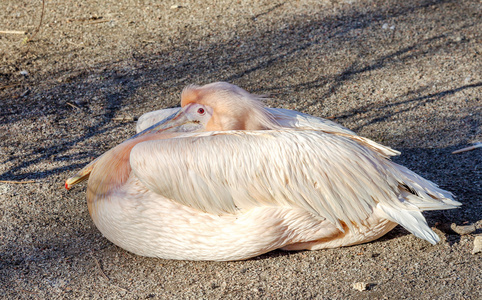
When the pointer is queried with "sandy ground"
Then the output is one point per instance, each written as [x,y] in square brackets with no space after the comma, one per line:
[407,74]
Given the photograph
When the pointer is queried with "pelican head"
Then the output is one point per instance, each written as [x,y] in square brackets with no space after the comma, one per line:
[223,106]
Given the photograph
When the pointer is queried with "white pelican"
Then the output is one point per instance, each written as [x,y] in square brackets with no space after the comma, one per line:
[224,178]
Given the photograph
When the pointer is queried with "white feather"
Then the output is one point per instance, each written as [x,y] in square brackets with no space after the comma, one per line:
[332,176]
[413,221]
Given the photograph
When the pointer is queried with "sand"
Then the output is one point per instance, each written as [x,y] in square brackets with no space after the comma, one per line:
[403,73]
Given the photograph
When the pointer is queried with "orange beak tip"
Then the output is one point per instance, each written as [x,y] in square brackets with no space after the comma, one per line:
[67,186]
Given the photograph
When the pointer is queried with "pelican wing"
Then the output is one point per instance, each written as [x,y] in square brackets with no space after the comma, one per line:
[295,119]
[332,176]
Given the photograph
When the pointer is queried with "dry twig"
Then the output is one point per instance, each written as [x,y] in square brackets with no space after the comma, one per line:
[100,268]
[105,276]
[122,119]
[97,22]
[12,32]
[39,25]
[17,182]
[28,292]
[74,106]
[9,86]
[473,147]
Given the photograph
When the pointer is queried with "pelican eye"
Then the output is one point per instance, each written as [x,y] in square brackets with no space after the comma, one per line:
[201,111]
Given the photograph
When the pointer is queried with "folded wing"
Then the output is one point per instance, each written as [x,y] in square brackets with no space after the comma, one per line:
[333,176]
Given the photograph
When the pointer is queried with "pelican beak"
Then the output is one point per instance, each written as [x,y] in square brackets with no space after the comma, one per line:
[178,122]
[81,175]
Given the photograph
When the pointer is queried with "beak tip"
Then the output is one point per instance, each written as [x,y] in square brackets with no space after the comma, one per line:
[67,186]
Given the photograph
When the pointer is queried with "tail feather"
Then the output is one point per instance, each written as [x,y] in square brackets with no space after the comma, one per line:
[422,193]
[412,220]
[427,202]
[416,194]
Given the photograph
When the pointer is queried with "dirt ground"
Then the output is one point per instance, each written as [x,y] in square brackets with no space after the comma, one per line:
[407,74]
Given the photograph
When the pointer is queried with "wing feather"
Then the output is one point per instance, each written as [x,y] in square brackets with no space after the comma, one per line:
[330,175]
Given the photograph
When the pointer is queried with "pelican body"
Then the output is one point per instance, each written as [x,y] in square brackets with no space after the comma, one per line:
[225,178]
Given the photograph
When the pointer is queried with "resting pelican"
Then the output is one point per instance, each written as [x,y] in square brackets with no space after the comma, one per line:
[225,178]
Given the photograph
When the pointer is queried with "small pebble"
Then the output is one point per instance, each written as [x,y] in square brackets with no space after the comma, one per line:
[360,286]
[462,230]
[477,245]
[24,73]
[79,102]
[386,26]
[176,6]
